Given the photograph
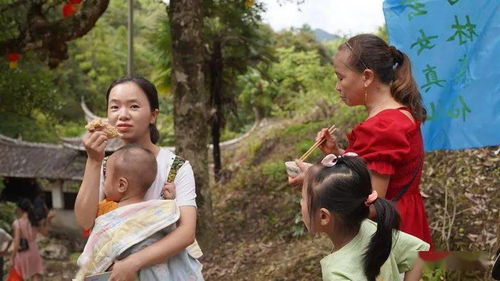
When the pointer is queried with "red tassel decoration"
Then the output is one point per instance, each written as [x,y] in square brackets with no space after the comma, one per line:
[68,10]
[13,58]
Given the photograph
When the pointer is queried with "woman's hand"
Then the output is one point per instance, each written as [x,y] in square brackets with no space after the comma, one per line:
[299,179]
[95,144]
[168,191]
[329,145]
[124,270]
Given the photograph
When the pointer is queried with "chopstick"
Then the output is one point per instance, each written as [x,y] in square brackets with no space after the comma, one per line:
[332,129]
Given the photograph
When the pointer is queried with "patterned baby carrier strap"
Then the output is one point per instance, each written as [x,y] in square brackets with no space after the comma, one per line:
[194,249]
[176,165]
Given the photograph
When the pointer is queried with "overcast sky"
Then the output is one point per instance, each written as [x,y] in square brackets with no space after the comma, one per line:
[342,17]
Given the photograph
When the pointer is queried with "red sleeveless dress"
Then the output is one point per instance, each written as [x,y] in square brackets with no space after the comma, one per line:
[391,144]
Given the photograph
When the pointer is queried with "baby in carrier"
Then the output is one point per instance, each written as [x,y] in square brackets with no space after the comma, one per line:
[133,224]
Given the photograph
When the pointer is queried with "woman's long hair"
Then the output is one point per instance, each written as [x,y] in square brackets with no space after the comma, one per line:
[26,206]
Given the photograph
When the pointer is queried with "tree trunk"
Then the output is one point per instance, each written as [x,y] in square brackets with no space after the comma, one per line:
[190,102]
[217,115]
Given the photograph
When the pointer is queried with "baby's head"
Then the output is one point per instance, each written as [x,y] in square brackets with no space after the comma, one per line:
[130,171]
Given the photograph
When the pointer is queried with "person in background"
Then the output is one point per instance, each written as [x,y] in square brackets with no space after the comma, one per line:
[5,242]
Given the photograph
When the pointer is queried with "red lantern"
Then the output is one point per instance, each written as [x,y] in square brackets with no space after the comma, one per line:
[13,58]
[68,10]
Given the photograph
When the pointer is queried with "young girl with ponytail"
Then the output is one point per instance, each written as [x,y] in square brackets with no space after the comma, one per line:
[378,76]
[336,197]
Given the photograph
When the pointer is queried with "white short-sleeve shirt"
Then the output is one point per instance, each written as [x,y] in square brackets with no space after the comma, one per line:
[185,188]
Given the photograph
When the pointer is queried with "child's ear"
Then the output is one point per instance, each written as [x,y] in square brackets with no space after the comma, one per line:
[325,217]
[123,186]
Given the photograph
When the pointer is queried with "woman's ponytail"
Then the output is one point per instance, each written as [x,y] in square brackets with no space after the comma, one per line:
[381,242]
[404,88]
[154,134]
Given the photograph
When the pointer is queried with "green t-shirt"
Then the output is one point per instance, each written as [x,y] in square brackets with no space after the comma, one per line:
[347,262]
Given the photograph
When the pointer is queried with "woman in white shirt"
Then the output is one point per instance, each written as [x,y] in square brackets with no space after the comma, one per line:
[132,106]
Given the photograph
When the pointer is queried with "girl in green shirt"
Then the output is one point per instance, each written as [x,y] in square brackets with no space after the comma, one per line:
[336,196]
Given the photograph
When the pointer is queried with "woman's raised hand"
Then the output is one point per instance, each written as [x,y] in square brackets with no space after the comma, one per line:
[329,145]
[95,144]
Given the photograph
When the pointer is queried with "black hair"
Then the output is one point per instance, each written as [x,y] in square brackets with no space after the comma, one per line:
[138,162]
[26,206]
[151,93]
[343,190]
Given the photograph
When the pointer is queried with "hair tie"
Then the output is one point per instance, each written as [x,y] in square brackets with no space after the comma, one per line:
[331,159]
[350,154]
[397,56]
[371,198]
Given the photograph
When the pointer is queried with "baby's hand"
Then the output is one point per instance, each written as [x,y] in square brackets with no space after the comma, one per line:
[168,191]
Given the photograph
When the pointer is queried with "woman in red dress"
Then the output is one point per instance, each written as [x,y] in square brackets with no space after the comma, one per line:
[378,76]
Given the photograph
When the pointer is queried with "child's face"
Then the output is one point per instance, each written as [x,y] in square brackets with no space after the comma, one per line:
[304,206]
[320,220]
[111,182]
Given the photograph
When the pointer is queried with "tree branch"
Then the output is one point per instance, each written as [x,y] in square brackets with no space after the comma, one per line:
[51,38]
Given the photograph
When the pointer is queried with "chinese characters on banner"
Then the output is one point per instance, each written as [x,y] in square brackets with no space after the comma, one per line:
[454,47]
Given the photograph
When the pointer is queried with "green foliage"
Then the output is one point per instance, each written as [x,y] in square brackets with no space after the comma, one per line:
[165,125]
[41,104]
[274,171]
[36,128]
[434,272]
[163,64]
[28,87]
[299,84]
[11,20]
[298,228]
[303,40]
[100,57]
[74,256]
[7,215]
[70,129]
[228,135]
[382,33]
